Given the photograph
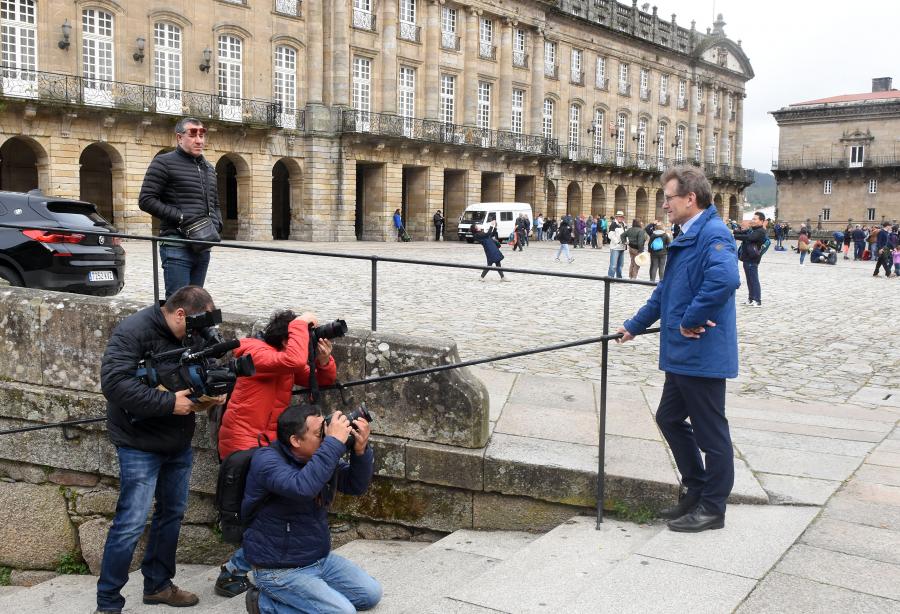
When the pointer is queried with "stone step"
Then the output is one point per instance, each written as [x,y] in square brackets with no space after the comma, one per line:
[575,553]
[413,583]
[201,584]
[379,557]
[5,591]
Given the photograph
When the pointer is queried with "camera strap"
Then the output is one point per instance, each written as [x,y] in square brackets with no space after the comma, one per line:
[314,393]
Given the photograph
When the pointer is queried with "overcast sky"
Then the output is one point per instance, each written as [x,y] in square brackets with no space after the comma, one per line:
[800,50]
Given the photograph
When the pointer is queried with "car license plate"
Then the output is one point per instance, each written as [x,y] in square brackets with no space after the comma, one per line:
[101,276]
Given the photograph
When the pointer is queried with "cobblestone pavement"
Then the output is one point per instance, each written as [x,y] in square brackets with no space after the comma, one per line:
[822,332]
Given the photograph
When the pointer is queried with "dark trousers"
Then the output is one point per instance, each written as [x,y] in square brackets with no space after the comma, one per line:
[858,248]
[701,399]
[751,272]
[485,271]
[437,232]
[883,261]
[182,266]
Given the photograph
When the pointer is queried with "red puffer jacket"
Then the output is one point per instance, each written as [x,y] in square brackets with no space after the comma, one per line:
[257,401]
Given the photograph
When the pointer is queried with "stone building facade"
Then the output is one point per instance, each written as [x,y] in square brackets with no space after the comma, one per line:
[838,161]
[325,117]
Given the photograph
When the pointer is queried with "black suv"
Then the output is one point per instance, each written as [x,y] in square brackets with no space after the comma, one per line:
[67,261]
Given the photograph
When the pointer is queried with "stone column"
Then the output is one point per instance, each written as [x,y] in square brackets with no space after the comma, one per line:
[340,56]
[721,153]
[389,58]
[316,52]
[693,105]
[434,200]
[392,199]
[537,84]
[432,60]
[504,57]
[710,126]
[738,126]
[470,70]
[508,189]
[473,187]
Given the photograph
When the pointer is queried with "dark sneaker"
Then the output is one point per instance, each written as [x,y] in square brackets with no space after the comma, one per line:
[252,600]
[107,611]
[172,596]
[230,585]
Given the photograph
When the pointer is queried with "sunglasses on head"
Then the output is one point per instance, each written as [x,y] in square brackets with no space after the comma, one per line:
[194,132]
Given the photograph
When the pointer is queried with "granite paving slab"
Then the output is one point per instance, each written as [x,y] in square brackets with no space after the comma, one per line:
[753,540]
[795,490]
[497,545]
[804,429]
[561,393]
[747,488]
[846,570]
[630,420]
[805,443]
[873,492]
[779,593]
[498,384]
[812,407]
[889,397]
[810,419]
[548,423]
[877,474]
[798,462]
[378,556]
[846,506]
[857,539]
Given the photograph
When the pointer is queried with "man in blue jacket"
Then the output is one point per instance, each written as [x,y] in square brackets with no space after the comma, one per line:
[694,303]
[289,488]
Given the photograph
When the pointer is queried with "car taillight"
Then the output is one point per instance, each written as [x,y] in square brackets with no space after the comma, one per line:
[44,236]
[115,241]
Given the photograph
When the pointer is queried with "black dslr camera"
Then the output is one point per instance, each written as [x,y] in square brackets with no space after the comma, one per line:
[360,412]
[200,365]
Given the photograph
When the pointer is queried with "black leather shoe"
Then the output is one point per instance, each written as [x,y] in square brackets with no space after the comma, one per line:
[686,504]
[697,521]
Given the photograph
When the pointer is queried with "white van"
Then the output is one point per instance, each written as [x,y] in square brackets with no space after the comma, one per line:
[506,215]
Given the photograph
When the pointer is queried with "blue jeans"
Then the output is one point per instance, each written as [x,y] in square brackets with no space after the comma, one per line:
[858,248]
[182,267]
[143,476]
[332,585]
[540,234]
[616,258]
[563,249]
[802,257]
[751,272]
[238,565]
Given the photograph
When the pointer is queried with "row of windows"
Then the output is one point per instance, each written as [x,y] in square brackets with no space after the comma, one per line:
[872,186]
[870,214]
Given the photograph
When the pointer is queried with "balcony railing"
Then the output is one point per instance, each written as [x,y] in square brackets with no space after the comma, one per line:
[75,90]
[449,40]
[645,94]
[664,100]
[288,7]
[624,89]
[788,164]
[603,84]
[409,32]
[363,20]
[520,59]
[551,71]
[487,51]
[717,112]
[682,104]
[577,77]
[388,124]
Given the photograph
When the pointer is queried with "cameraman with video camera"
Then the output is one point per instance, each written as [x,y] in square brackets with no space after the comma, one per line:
[290,487]
[152,428]
[281,354]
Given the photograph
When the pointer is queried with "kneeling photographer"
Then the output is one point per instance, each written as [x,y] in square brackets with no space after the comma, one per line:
[151,425]
[282,353]
[290,486]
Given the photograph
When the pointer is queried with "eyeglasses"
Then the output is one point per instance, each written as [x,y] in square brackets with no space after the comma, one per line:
[669,198]
[194,132]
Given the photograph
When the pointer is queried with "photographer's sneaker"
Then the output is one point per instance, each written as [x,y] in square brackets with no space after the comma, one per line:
[229,584]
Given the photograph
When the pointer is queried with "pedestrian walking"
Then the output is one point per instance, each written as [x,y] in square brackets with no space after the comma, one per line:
[491,246]
[616,246]
[564,235]
[803,245]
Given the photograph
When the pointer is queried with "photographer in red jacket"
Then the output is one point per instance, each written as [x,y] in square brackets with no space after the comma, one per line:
[281,357]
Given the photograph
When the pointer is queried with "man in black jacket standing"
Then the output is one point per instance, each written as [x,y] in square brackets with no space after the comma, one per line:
[751,253]
[180,189]
[152,430]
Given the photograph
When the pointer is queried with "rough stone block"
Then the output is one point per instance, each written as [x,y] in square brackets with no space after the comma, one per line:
[30,577]
[445,465]
[35,529]
[199,545]
[73,478]
[201,509]
[503,512]
[390,456]
[20,357]
[92,538]
[45,404]
[100,501]
[449,407]
[411,504]
[50,448]
[23,472]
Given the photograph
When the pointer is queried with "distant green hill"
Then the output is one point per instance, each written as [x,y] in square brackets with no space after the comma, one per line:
[762,191]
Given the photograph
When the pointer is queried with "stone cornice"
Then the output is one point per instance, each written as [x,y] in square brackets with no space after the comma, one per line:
[818,113]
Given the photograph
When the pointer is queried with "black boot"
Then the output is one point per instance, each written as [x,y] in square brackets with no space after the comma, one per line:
[686,504]
[699,520]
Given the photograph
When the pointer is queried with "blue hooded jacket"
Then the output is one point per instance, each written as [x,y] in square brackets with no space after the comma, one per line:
[701,279]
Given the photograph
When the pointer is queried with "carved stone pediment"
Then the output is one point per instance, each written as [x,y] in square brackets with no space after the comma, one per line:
[857,136]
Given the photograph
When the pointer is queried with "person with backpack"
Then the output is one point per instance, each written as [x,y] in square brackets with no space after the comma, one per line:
[659,248]
[637,240]
[616,245]
[281,356]
[753,244]
[565,237]
[288,492]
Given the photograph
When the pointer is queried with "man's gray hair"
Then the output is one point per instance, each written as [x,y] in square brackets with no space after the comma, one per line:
[181,126]
[690,179]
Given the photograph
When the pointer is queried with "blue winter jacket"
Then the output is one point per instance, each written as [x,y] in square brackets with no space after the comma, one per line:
[290,528]
[491,251]
[700,282]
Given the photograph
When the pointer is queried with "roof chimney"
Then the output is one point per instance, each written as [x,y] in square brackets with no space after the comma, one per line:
[881,84]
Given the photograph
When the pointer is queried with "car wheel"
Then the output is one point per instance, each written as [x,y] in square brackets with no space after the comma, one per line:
[11,277]
[470,240]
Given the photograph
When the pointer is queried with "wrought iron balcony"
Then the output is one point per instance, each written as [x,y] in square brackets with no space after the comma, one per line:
[57,88]
[664,100]
[717,112]
[363,20]
[449,40]
[487,51]
[409,32]
[520,59]
[645,94]
[602,84]
[390,125]
[577,77]
[725,172]
[288,7]
[551,71]
[682,104]
[624,89]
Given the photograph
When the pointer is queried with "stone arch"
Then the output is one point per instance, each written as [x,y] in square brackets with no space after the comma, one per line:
[101,178]
[573,199]
[621,200]
[642,206]
[660,199]
[551,199]
[717,201]
[234,194]
[288,216]
[24,165]
[734,212]
[598,200]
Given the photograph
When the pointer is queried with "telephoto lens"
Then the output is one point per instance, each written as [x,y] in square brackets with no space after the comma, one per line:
[360,412]
[338,328]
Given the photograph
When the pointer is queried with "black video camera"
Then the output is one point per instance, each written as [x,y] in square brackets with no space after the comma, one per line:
[360,412]
[200,365]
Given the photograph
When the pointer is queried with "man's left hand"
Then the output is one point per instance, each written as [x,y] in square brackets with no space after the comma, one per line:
[323,352]
[695,332]
[361,433]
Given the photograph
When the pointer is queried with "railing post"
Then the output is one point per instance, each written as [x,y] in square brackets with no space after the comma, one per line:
[601,451]
[374,293]
[155,271]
